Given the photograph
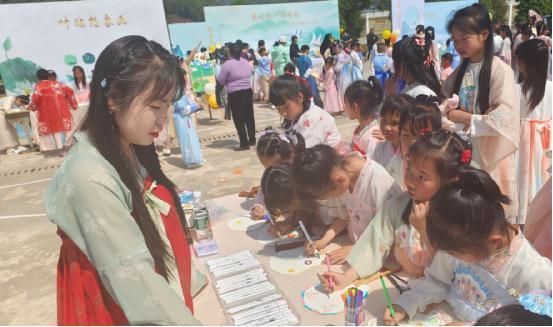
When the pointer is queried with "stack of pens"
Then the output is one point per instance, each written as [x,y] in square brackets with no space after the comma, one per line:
[232,264]
[272,310]
[353,307]
[247,293]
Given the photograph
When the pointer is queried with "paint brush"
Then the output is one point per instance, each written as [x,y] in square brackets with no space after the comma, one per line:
[309,239]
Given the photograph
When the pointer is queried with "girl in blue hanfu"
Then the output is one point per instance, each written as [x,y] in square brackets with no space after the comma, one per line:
[186,132]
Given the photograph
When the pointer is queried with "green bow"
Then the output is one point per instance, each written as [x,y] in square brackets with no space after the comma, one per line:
[154,204]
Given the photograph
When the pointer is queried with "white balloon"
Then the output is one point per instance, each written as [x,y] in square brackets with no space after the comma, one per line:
[209,89]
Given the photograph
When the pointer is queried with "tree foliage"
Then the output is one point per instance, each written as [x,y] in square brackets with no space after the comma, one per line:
[542,7]
[350,16]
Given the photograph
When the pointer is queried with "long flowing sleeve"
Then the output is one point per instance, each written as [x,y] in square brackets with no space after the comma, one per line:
[92,206]
[498,130]
[70,96]
[373,247]
[432,288]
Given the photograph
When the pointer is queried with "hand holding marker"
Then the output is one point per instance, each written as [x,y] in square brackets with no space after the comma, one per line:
[308,237]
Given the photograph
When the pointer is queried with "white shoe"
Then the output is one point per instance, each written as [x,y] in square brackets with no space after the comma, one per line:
[11,151]
[21,148]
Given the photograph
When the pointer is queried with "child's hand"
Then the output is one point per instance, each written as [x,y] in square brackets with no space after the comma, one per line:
[417,217]
[339,281]
[338,256]
[452,103]
[407,264]
[257,212]
[398,315]
[311,247]
[377,134]
[280,229]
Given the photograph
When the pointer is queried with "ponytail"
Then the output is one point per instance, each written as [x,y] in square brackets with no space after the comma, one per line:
[367,94]
[313,168]
[463,215]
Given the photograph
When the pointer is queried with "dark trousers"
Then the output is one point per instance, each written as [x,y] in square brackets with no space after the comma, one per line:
[241,106]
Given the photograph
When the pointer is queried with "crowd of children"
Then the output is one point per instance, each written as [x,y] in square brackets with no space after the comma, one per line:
[446,175]
[438,176]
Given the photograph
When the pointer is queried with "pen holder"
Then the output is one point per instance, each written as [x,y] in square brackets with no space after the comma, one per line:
[354,315]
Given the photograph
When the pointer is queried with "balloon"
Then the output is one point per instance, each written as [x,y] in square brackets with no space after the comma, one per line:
[209,89]
[393,38]
[212,100]
[212,48]
[386,34]
[341,30]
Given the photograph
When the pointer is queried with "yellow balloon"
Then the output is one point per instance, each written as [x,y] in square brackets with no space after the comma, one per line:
[341,30]
[212,100]
[386,34]
[212,48]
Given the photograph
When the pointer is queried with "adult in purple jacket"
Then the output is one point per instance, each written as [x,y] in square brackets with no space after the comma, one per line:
[235,75]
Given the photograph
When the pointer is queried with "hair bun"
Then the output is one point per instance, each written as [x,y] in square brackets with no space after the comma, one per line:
[480,182]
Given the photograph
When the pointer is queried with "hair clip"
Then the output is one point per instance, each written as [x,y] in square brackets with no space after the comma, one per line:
[265,132]
[466,156]
[538,302]
[427,61]
[424,131]
[103,83]
[420,41]
[284,138]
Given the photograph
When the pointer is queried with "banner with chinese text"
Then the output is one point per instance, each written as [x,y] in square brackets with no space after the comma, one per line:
[60,35]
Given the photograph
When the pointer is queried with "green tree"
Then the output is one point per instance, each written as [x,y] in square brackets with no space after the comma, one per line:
[498,9]
[350,16]
[542,7]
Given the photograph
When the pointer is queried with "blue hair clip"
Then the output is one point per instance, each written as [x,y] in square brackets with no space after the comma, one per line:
[537,302]
[103,83]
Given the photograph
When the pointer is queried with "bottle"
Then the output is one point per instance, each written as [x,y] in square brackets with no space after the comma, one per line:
[201,219]
[187,204]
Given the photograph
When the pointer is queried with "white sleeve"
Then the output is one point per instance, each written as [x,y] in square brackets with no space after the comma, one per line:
[432,288]
[479,128]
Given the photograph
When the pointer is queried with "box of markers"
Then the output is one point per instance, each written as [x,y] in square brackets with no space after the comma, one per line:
[247,293]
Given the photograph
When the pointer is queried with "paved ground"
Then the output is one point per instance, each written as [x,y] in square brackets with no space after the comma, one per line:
[28,240]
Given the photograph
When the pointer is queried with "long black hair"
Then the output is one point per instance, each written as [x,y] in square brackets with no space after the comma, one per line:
[83,82]
[126,68]
[535,55]
[507,30]
[413,54]
[475,19]
[326,43]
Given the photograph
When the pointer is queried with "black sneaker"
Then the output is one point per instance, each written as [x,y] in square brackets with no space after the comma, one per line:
[242,148]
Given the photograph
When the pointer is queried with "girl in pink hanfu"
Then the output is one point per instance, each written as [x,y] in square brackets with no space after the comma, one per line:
[362,100]
[535,122]
[331,103]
